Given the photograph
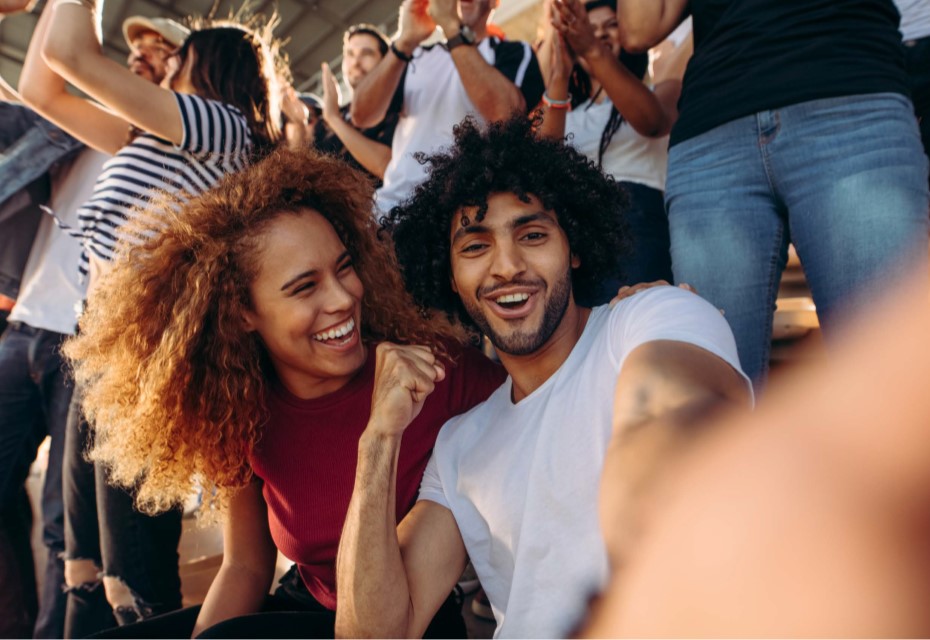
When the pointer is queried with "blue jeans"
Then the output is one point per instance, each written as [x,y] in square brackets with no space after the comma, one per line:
[35,392]
[844,179]
[102,525]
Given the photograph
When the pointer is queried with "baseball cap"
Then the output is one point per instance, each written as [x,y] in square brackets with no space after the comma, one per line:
[171,31]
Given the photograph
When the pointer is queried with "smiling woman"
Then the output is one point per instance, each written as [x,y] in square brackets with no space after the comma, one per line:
[237,348]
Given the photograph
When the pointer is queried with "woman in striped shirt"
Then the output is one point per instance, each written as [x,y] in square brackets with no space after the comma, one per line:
[215,111]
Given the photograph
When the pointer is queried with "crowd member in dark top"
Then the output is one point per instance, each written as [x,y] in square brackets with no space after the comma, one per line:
[473,73]
[794,124]
[596,95]
[180,138]
[363,47]
[241,347]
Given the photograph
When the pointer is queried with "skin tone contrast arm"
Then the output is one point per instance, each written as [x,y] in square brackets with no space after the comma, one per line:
[492,93]
[249,556]
[646,23]
[650,113]
[392,579]
[374,93]
[71,48]
[663,390]
[371,154]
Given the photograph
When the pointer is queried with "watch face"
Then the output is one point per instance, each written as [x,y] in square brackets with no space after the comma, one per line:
[467,34]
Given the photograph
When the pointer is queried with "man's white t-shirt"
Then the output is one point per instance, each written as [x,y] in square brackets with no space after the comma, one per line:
[52,288]
[522,480]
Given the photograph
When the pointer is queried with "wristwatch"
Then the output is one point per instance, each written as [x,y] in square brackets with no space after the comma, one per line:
[465,36]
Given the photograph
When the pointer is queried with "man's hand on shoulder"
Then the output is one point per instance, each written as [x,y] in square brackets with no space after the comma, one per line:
[626,291]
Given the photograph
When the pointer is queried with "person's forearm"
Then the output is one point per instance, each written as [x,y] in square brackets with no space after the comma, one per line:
[374,599]
[636,103]
[369,153]
[553,122]
[39,85]
[374,93]
[73,39]
[495,96]
[645,23]
[235,591]
[637,457]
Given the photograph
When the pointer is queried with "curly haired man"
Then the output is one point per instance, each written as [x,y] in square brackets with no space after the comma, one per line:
[503,234]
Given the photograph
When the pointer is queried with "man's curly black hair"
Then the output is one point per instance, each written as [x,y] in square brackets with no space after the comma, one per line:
[506,157]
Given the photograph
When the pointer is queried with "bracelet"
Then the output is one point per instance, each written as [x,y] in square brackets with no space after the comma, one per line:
[403,57]
[557,104]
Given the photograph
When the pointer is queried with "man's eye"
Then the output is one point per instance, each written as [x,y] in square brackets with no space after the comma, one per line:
[473,247]
[535,235]
[348,264]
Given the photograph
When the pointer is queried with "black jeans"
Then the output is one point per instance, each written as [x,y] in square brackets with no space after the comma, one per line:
[35,391]
[290,613]
[102,525]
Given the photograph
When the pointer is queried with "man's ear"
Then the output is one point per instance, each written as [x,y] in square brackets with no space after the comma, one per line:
[575,261]
[452,282]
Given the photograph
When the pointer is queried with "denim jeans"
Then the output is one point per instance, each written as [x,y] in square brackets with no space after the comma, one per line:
[102,525]
[29,146]
[649,258]
[844,179]
[35,392]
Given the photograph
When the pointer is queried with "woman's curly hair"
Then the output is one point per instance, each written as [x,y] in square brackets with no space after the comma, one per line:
[173,383]
[506,157]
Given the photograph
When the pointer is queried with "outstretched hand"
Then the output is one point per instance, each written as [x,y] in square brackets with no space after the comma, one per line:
[331,94]
[405,375]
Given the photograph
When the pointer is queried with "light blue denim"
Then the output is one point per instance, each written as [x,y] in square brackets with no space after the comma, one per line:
[844,179]
[29,146]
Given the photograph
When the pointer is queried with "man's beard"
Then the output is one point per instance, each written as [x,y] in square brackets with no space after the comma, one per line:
[521,343]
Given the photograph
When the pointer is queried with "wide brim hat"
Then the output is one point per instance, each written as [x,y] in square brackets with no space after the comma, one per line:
[173,32]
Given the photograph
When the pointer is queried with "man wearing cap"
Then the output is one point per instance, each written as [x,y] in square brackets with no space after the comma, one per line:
[151,42]
[35,391]
[471,74]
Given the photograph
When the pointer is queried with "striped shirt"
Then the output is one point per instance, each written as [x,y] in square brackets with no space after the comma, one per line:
[216,141]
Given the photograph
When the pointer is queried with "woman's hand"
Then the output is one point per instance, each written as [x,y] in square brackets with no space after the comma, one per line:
[404,376]
[571,21]
[560,66]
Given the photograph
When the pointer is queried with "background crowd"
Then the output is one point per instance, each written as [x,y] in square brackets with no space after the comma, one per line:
[801,122]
